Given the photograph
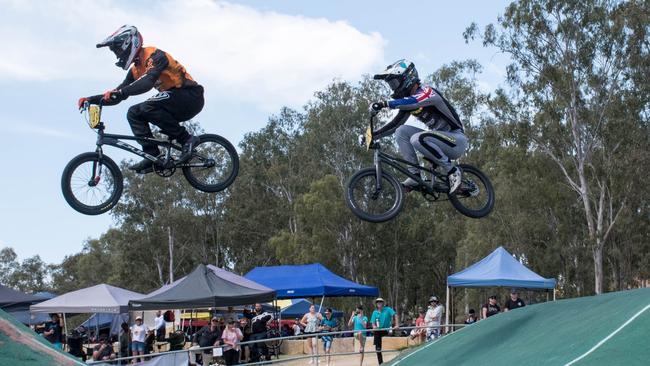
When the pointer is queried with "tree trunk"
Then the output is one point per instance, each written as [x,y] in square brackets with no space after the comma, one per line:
[598,267]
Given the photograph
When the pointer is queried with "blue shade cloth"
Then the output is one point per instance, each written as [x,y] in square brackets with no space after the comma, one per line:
[308,280]
[25,317]
[103,320]
[499,269]
[301,307]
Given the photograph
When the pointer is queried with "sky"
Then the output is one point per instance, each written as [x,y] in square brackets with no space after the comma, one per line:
[252,57]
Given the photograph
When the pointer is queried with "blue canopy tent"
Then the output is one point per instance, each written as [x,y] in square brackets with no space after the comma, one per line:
[301,307]
[308,280]
[498,269]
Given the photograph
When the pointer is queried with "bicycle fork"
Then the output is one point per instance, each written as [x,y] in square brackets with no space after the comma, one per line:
[377,162]
[96,175]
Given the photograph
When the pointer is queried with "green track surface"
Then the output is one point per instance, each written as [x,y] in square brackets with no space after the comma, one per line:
[20,346]
[553,333]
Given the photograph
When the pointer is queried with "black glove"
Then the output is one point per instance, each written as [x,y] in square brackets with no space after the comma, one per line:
[378,106]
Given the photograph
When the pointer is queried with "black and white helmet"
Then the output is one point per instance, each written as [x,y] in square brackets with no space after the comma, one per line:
[125,43]
[400,76]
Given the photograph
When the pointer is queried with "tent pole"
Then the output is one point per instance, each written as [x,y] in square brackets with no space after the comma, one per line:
[447,309]
[65,333]
[320,307]
[553,293]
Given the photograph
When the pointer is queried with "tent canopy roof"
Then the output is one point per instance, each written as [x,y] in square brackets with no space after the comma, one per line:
[499,269]
[206,287]
[101,298]
[10,297]
[308,280]
[301,307]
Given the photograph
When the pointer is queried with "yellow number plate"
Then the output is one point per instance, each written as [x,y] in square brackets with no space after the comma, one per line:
[94,114]
[368,138]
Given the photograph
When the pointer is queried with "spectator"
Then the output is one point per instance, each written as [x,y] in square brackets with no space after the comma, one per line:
[514,301]
[296,327]
[471,317]
[491,308]
[244,324]
[360,323]
[286,330]
[383,317]
[419,333]
[208,336]
[231,315]
[103,351]
[149,341]
[433,318]
[328,324]
[138,334]
[125,340]
[258,332]
[311,322]
[231,337]
[159,326]
[54,331]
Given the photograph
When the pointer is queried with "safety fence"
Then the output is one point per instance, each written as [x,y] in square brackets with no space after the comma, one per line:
[198,350]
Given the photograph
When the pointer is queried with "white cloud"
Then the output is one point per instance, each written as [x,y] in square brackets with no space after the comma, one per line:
[237,52]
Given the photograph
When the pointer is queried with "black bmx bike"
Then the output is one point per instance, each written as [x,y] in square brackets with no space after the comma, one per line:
[92,183]
[374,194]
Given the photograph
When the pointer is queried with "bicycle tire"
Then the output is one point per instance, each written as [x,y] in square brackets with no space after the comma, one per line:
[105,204]
[457,202]
[396,206]
[231,157]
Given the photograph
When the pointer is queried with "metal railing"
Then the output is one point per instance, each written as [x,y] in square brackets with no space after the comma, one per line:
[196,350]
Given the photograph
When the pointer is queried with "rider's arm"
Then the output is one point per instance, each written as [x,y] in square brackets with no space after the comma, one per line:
[156,64]
[425,97]
[127,80]
[391,126]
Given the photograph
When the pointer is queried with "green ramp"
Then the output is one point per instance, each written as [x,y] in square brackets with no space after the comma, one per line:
[609,329]
[20,346]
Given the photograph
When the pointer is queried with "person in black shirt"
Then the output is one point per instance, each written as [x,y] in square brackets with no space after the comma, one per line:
[514,301]
[103,351]
[54,331]
[471,318]
[209,335]
[258,332]
[491,308]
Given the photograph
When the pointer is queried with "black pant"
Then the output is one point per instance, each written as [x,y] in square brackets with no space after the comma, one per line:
[378,336]
[166,110]
[258,349]
[160,334]
[231,357]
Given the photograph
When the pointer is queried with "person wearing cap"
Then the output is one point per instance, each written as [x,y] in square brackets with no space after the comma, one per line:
[328,324]
[491,307]
[208,336]
[382,318]
[433,318]
[514,302]
[359,322]
[138,334]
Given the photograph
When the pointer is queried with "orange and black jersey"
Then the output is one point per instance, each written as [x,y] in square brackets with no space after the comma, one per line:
[154,68]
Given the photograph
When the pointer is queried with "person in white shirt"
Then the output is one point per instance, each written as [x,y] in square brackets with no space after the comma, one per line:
[138,334]
[433,318]
[296,327]
[159,326]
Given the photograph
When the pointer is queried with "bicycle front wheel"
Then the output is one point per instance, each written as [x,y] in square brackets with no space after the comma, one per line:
[475,196]
[370,204]
[214,164]
[90,184]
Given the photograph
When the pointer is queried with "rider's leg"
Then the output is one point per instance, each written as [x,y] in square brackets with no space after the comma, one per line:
[137,117]
[403,136]
[441,147]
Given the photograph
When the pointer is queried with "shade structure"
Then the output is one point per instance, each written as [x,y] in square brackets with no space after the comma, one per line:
[206,287]
[308,280]
[301,307]
[101,298]
[10,298]
[101,321]
[499,269]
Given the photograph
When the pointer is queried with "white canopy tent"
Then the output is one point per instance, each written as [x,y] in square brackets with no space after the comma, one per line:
[96,299]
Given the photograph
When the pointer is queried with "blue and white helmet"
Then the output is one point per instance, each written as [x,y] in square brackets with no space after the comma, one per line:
[125,43]
[400,76]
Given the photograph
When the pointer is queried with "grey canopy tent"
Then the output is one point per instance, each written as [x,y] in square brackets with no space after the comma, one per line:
[96,299]
[205,287]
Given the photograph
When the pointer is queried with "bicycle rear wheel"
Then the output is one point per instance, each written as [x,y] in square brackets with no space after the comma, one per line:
[214,164]
[369,204]
[90,184]
[475,196]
